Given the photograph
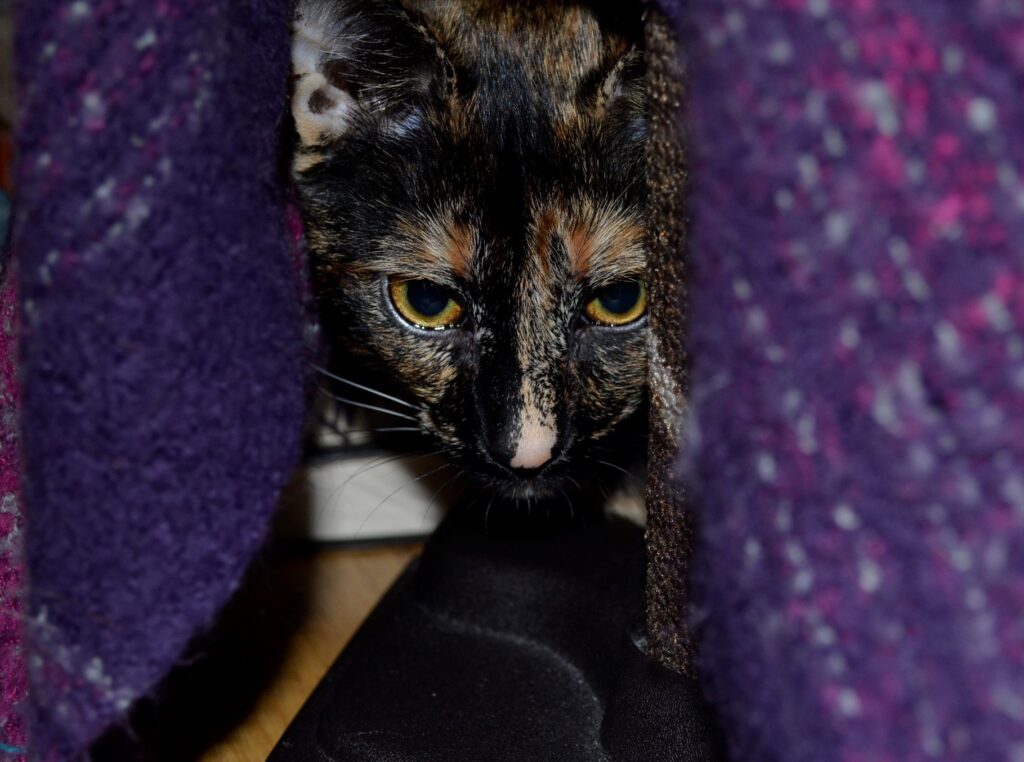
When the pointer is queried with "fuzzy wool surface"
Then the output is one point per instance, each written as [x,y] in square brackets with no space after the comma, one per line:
[856,449]
[161,346]
[12,575]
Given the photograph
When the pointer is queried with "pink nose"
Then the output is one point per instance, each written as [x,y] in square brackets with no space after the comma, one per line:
[535,445]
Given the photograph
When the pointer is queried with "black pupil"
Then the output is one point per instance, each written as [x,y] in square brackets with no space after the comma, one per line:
[428,299]
[619,298]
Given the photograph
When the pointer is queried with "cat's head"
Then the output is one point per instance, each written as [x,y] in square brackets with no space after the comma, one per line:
[472,180]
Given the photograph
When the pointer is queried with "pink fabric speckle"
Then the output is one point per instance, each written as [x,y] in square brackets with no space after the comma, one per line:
[12,666]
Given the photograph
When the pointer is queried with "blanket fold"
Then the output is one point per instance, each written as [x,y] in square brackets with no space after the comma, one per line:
[161,348]
[857,333]
[851,291]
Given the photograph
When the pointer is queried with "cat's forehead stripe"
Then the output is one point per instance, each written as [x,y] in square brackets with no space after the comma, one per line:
[603,244]
[443,243]
[607,248]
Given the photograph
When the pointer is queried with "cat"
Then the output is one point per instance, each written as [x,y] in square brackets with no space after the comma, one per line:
[471,177]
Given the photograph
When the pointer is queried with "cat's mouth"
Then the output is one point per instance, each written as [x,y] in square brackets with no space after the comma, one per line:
[529,490]
[525,484]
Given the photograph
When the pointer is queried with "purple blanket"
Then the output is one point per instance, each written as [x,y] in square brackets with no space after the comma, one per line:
[12,674]
[857,442]
[160,361]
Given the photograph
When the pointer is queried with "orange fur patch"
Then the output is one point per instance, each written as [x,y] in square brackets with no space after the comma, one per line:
[440,243]
[606,244]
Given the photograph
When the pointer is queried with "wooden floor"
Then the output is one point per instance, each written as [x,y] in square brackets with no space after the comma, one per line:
[246,681]
[341,588]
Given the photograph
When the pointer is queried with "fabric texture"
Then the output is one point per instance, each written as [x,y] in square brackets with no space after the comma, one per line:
[857,335]
[161,365]
[510,637]
[13,686]
[856,441]
[670,525]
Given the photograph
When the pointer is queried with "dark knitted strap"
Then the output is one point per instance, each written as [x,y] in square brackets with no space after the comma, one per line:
[670,527]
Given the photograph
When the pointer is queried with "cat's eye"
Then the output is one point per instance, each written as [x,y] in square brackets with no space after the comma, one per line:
[425,304]
[618,304]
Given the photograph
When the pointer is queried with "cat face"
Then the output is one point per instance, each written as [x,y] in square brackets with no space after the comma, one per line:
[471,176]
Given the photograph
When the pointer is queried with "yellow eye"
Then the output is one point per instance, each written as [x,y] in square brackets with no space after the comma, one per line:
[618,304]
[425,304]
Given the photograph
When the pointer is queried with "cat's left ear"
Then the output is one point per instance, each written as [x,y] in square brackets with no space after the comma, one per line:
[621,100]
[357,62]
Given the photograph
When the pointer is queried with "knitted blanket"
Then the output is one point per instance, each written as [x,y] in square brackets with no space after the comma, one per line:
[854,443]
[161,345]
[12,675]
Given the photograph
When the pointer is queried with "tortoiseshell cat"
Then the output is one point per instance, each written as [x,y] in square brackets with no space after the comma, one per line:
[471,176]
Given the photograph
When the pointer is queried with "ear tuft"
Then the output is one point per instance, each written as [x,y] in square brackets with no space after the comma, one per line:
[320,109]
[621,101]
[624,82]
[358,60]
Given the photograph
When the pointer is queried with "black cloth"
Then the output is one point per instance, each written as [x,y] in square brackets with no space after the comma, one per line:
[506,646]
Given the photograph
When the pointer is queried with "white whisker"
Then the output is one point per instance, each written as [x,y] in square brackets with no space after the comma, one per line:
[572,512]
[487,514]
[387,460]
[619,468]
[440,489]
[369,467]
[363,405]
[386,430]
[344,433]
[395,492]
[369,389]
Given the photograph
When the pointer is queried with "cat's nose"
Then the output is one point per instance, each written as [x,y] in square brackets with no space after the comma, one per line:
[535,447]
[529,450]
[520,422]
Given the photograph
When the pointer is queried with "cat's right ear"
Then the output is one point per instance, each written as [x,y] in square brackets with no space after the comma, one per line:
[358,60]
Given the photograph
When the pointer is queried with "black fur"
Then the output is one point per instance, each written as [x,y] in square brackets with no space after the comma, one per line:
[518,128]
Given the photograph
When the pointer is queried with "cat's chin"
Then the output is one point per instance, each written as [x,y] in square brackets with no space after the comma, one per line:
[527,490]
[555,485]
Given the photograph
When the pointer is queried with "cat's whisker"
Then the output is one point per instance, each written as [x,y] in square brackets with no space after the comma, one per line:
[619,468]
[365,388]
[385,430]
[339,490]
[438,492]
[395,492]
[415,457]
[467,508]
[487,514]
[365,406]
[343,432]
[572,512]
